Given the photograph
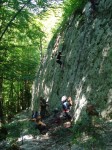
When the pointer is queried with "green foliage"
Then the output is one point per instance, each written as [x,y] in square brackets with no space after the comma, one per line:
[31,129]
[86,134]
[20,49]
[80,127]
[94,142]
[71,7]
[14,146]
[17,129]
[22,43]
[14,130]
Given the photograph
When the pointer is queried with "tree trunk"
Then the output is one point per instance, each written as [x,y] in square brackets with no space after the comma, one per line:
[41,49]
[1,99]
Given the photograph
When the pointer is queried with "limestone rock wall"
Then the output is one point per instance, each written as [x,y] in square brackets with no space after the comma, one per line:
[86,45]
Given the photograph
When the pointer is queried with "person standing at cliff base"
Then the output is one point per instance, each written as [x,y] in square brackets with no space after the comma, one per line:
[43,107]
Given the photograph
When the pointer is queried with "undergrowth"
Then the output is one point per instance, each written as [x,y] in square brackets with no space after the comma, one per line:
[18,129]
[87,135]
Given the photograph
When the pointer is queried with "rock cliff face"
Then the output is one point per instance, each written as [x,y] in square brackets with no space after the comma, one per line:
[86,46]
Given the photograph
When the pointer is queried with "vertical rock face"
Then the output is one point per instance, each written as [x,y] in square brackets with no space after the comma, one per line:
[86,76]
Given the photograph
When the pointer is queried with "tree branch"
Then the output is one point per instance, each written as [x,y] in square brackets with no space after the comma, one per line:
[9,24]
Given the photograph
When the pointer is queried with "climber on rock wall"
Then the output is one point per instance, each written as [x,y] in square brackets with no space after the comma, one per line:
[58,59]
[93,4]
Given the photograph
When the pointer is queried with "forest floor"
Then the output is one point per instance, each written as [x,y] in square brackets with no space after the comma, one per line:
[23,136]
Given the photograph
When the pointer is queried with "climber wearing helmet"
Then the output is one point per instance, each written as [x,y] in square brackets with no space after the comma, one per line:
[66,108]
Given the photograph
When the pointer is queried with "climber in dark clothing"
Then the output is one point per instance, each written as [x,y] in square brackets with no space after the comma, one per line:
[43,107]
[93,4]
[58,59]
